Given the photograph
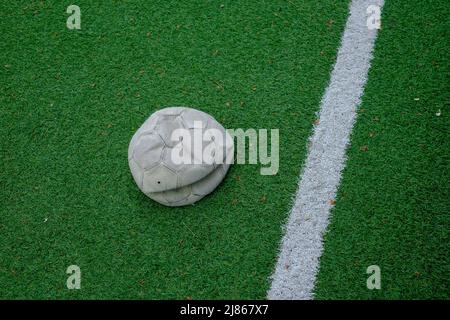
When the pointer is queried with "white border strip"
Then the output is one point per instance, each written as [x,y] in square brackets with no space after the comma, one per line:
[301,247]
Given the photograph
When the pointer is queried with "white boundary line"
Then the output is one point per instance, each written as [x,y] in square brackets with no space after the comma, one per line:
[301,247]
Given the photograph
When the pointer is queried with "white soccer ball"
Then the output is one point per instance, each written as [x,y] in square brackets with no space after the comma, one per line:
[150,157]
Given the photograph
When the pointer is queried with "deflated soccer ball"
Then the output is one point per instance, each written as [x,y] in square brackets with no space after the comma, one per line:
[179,155]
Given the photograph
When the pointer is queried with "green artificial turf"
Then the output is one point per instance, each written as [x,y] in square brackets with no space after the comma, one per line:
[71,100]
[393,205]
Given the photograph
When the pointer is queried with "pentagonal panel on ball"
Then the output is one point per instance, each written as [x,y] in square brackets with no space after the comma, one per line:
[159,178]
[166,126]
[177,195]
[193,172]
[157,196]
[150,123]
[173,157]
[148,149]
[190,116]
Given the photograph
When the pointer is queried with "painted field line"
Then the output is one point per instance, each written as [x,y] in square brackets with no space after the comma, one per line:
[301,247]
